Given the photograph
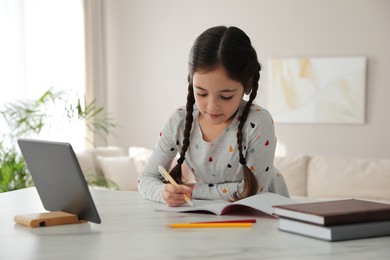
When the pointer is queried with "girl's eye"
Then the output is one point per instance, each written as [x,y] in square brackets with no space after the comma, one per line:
[201,94]
[226,98]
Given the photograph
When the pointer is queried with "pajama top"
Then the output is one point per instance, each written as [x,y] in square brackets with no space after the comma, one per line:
[215,165]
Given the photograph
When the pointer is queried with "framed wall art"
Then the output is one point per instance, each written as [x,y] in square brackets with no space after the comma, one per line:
[317,90]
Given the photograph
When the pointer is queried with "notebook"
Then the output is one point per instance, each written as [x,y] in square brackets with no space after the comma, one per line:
[58,178]
[262,202]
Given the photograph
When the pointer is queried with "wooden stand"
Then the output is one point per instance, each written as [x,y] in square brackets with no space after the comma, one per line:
[47,219]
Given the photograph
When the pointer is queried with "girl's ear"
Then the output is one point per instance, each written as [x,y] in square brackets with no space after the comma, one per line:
[247,90]
[248,87]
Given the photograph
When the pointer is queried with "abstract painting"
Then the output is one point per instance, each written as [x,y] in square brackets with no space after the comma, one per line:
[317,90]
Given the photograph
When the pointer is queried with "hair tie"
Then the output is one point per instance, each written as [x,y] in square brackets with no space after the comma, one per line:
[242,161]
[181,160]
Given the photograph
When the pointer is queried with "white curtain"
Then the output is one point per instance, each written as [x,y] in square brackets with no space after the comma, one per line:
[12,52]
[96,81]
[42,46]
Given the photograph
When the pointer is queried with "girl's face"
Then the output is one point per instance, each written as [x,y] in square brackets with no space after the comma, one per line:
[216,95]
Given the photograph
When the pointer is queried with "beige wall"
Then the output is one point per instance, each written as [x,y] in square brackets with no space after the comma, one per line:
[147,44]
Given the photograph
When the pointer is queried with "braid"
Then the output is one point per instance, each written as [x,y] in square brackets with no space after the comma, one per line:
[251,184]
[176,172]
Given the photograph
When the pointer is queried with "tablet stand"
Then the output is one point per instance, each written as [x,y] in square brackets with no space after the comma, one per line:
[53,218]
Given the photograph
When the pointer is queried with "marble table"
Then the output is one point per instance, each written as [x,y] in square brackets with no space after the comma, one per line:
[132,229]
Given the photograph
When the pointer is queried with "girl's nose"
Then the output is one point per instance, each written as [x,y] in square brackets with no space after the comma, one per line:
[213,104]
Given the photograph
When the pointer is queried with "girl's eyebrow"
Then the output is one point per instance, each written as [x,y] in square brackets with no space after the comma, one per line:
[199,87]
[223,90]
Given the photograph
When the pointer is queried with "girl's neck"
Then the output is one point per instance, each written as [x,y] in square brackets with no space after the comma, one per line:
[211,132]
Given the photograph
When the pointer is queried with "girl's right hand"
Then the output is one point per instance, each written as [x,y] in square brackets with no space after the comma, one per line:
[174,196]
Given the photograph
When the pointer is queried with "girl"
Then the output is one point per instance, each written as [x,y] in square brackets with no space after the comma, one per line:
[228,144]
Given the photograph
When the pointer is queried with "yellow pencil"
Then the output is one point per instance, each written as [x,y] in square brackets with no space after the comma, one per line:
[167,176]
[210,225]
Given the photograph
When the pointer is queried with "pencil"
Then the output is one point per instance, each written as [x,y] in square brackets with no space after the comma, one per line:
[210,225]
[167,176]
[230,221]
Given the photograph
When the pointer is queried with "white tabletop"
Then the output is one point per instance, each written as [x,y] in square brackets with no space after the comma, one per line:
[132,229]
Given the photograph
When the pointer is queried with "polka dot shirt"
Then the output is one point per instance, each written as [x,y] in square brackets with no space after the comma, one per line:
[215,165]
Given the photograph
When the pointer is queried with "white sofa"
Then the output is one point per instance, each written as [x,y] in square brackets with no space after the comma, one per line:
[336,177]
[306,176]
[114,164]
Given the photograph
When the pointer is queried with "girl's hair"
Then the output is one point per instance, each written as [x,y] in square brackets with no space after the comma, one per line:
[232,49]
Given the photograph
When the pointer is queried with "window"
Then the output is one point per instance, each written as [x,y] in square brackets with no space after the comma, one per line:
[42,47]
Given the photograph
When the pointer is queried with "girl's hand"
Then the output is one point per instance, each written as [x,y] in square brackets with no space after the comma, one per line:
[174,196]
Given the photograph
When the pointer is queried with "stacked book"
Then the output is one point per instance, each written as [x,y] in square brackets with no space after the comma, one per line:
[335,220]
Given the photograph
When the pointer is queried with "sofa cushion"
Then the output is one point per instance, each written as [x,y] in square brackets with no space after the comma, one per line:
[87,162]
[340,177]
[106,151]
[121,170]
[294,170]
[140,156]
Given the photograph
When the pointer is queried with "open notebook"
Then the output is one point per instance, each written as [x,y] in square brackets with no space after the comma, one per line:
[262,202]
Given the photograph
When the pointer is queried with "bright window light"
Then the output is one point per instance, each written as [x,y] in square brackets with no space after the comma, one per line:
[43,48]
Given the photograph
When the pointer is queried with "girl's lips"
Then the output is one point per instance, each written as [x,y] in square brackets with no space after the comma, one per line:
[214,115]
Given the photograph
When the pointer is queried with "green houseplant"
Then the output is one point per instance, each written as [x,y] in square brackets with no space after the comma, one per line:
[29,118]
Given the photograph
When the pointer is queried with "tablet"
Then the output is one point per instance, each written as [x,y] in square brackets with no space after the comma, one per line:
[58,178]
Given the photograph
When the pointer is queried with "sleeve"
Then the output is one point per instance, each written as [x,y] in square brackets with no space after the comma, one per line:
[260,154]
[278,185]
[222,191]
[150,183]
